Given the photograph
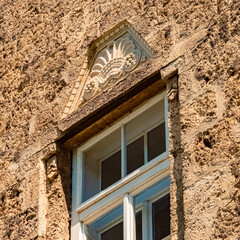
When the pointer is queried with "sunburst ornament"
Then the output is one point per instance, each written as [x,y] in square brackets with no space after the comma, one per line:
[112,63]
[116,53]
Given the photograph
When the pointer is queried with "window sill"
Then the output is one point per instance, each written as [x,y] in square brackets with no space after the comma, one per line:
[134,183]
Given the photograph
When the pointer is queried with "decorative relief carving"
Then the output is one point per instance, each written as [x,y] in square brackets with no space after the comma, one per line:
[114,62]
[118,52]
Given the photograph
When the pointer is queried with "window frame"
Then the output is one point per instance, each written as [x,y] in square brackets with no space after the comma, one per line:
[146,208]
[86,212]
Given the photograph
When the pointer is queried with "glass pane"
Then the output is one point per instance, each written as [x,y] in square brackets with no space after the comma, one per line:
[156,141]
[93,159]
[139,226]
[111,170]
[114,233]
[135,155]
[144,121]
[107,224]
[161,218]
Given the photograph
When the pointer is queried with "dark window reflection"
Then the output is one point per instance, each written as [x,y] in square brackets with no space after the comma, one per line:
[139,226]
[161,218]
[156,141]
[135,155]
[111,170]
[114,233]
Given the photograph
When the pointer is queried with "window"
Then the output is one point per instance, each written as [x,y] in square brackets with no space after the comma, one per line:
[121,179]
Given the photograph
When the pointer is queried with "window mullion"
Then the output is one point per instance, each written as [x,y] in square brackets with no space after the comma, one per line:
[82,232]
[129,218]
[76,183]
[80,159]
[123,152]
[166,122]
[147,221]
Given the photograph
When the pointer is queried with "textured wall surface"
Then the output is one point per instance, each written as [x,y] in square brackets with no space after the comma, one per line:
[42,46]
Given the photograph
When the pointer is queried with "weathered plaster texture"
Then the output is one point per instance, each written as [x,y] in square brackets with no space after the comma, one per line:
[42,46]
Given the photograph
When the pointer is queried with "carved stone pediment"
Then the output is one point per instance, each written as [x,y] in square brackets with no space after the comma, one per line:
[118,52]
[112,63]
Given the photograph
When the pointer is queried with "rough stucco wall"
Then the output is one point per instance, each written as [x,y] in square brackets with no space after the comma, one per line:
[42,47]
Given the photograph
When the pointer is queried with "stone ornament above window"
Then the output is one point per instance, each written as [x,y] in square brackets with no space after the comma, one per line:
[115,61]
[117,53]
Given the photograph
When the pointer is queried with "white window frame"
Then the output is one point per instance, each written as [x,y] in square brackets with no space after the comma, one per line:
[123,191]
[145,205]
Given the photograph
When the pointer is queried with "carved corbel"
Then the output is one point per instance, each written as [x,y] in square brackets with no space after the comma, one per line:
[173,91]
[168,72]
[52,170]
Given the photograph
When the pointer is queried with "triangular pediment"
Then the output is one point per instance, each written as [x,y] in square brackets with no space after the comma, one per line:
[117,53]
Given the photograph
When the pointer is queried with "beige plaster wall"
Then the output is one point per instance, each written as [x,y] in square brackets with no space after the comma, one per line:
[42,46]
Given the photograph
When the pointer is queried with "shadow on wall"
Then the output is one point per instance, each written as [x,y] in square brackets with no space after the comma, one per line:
[59,181]
[177,151]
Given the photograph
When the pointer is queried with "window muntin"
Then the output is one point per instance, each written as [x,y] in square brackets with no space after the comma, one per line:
[85,213]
